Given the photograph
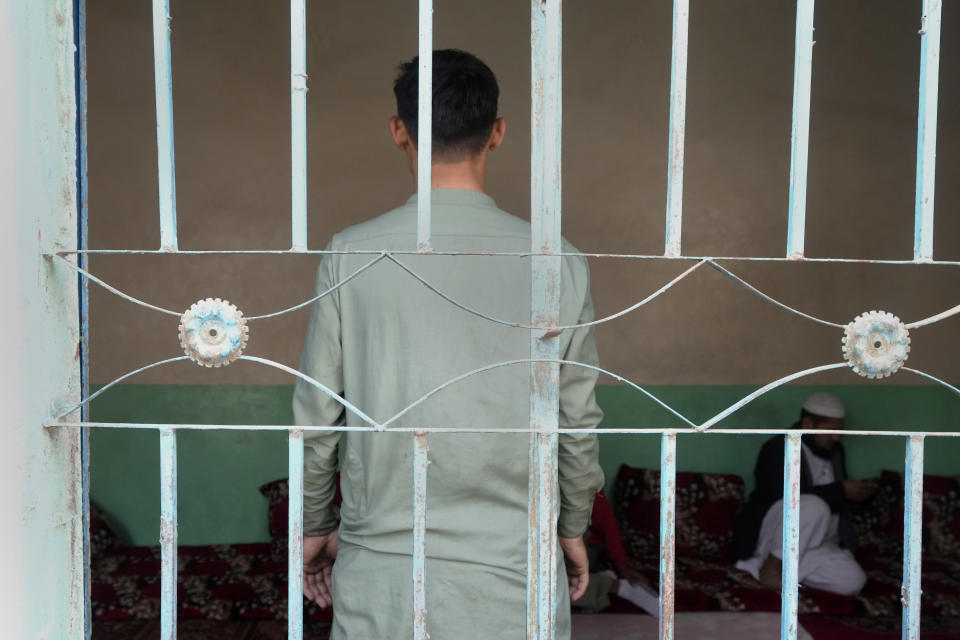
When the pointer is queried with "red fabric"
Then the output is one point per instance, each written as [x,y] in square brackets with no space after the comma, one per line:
[604,530]
[706,505]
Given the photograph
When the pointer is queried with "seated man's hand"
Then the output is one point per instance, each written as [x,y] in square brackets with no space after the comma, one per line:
[578,567]
[319,553]
[858,490]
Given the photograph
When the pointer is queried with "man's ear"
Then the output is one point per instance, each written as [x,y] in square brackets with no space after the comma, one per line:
[398,131]
[497,134]
[807,423]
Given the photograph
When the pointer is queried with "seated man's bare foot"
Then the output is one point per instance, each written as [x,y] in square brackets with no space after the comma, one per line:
[770,572]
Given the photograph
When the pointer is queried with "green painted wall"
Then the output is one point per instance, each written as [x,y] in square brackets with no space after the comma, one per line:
[219,472]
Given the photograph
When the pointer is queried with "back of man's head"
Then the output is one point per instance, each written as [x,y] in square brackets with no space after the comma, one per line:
[465,94]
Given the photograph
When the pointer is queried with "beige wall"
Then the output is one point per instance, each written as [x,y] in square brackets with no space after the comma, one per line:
[231,84]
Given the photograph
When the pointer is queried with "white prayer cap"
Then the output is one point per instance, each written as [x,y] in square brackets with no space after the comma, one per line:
[825,405]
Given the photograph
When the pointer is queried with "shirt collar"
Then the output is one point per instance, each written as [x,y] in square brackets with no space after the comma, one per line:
[460,197]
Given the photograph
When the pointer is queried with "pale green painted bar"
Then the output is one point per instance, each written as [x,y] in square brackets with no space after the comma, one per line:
[789,591]
[927,129]
[41,571]
[912,535]
[800,136]
[168,534]
[295,536]
[545,244]
[166,166]
[298,125]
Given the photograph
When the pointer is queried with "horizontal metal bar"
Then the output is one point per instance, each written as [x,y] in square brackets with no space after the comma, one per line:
[388,255]
[511,254]
[441,429]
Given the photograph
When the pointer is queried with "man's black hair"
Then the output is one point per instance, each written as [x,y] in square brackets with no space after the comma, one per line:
[465,94]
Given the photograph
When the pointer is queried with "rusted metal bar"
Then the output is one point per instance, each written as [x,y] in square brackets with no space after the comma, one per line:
[800,136]
[678,111]
[912,538]
[446,429]
[425,126]
[420,462]
[668,529]
[163,79]
[927,130]
[545,184]
[515,254]
[84,300]
[168,534]
[295,536]
[791,538]
[298,124]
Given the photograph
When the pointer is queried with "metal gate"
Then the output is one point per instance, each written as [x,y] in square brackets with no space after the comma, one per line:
[875,343]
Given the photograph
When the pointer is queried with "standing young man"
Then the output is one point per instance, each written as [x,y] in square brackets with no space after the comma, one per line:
[384,340]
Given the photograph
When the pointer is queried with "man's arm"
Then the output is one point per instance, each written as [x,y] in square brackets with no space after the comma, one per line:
[578,463]
[322,361]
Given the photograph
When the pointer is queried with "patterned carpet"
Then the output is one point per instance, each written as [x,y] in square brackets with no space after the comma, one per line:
[201,630]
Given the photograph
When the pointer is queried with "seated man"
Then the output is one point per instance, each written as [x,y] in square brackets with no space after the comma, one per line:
[605,546]
[827,539]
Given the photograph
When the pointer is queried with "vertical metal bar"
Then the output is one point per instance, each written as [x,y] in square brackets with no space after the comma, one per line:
[791,537]
[164,95]
[425,126]
[678,110]
[298,124]
[420,463]
[295,536]
[168,534]
[545,186]
[927,130]
[800,137]
[912,536]
[80,37]
[668,503]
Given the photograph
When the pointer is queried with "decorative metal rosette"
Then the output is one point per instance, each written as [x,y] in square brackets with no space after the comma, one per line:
[213,332]
[876,344]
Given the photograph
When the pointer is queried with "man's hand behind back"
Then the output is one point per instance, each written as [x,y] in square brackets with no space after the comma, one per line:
[578,567]
[319,553]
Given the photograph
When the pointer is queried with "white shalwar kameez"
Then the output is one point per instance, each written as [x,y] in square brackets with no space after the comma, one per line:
[823,564]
